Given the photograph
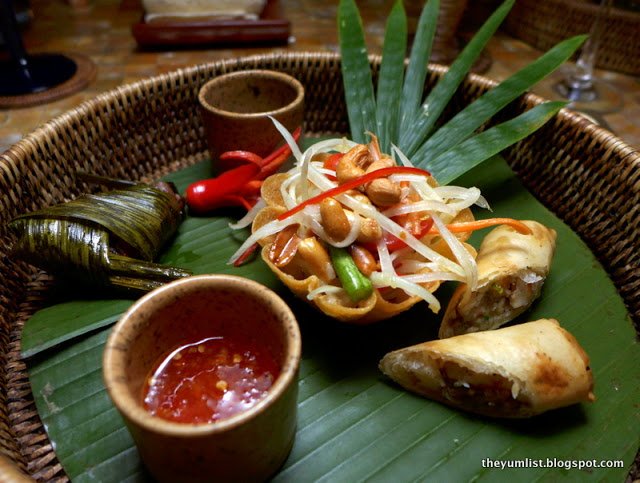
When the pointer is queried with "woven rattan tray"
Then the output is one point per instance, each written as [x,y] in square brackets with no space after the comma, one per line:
[544,23]
[583,173]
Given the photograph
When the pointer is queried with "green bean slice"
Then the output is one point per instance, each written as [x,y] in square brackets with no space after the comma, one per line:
[357,286]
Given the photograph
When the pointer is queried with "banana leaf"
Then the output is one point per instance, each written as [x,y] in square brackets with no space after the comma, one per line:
[97,238]
[354,425]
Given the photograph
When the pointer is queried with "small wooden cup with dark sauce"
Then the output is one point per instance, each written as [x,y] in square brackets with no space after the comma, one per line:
[235,109]
[248,446]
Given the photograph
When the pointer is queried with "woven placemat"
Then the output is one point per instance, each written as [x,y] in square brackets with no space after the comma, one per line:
[85,73]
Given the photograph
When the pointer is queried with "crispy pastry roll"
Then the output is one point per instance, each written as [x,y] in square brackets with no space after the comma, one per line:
[512,268]
[514,372]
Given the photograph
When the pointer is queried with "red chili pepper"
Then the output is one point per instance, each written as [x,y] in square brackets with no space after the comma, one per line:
[242,157]
[240,185]
[282,149]
[243,258]
[251,189]
[354,183]
[209,194]
[234,200]
[273,166]
[332,163]
[394,243]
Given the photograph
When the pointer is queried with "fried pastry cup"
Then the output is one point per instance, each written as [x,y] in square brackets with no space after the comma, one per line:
[512,268]
[339,307]
[513,372]
[380,305]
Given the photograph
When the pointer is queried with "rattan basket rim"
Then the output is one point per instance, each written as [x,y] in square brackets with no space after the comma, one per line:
[592,8]
[50,127]
[48,132]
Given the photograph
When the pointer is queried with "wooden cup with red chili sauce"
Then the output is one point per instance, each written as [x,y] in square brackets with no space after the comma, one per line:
[204,373]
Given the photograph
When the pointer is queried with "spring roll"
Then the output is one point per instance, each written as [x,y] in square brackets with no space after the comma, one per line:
[513,372]
[512,268]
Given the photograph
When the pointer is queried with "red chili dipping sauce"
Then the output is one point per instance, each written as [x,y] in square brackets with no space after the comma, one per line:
[210,379]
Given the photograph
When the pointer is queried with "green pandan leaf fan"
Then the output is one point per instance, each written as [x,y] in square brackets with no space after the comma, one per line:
[410,122]
[106,239]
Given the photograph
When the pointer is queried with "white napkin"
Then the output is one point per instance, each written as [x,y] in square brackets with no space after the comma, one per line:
[249,9]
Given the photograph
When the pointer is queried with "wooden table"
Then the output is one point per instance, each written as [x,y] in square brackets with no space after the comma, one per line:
[101,29]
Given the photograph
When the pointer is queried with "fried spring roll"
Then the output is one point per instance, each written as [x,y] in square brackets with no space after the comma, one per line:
[512,268]
[514,372]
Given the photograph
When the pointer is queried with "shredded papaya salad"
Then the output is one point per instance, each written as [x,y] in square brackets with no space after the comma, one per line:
[369,222]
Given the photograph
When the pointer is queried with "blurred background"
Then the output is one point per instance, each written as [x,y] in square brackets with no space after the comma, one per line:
[113,42]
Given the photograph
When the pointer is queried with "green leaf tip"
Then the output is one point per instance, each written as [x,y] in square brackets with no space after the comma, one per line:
[443,92]
[466,155]
[391,77]
[397,113]
[413,88]
[356,72]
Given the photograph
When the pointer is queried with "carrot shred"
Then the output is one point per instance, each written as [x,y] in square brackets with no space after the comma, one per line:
[480,224]
[354,183]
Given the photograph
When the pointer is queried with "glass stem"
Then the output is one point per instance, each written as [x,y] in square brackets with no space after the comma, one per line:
[582,76]
[11,35]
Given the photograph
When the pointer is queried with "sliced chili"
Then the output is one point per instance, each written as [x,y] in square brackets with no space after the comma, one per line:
[394,243]
[285,148]
[247,253]
[332,163]
[354,183]
[242,156]
[273,166]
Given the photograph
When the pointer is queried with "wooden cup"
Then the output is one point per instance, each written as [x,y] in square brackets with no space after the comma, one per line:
[248,446]
[235,110]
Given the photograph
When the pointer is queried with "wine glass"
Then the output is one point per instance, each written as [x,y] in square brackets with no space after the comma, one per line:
[584,91]
[23,74]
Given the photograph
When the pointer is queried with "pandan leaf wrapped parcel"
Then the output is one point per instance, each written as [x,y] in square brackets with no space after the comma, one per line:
[107,239]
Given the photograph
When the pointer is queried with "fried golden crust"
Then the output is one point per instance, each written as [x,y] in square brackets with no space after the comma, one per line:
[380,305]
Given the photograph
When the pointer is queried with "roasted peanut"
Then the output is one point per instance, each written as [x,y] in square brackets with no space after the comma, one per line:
[313,259]
[361,197]
[285,246]
[383,162]
[383,192]
[352,164]
[363,259]
[370,231]
[334,219]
